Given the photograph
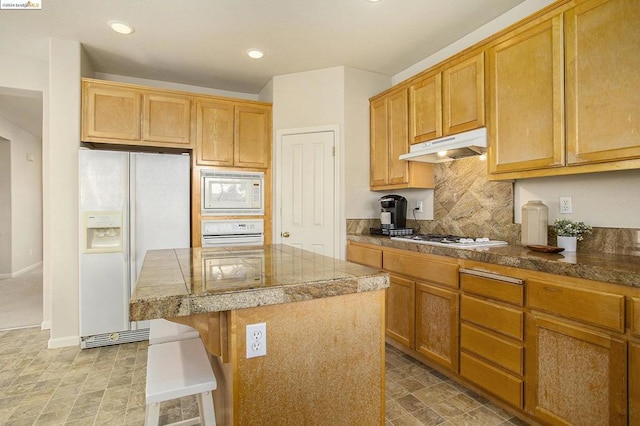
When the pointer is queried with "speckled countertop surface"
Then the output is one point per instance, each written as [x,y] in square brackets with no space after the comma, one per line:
[181,282]
[611,268]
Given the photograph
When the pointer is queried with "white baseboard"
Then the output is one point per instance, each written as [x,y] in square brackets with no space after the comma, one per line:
[21,272]
[64,342]
[46,325]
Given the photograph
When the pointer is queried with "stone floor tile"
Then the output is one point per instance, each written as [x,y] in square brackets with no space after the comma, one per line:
[428,416]
[106,386]
[53,418]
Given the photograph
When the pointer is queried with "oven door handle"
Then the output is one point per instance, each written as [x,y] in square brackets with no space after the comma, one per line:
[230,240]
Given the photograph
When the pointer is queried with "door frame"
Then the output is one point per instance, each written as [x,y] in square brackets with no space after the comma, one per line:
[339,233]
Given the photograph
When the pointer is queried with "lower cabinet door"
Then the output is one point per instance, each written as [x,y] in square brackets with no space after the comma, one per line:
[400,310]
[437,317]
[634,383]
[575,375]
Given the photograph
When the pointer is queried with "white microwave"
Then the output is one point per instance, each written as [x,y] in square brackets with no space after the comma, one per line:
[226,193]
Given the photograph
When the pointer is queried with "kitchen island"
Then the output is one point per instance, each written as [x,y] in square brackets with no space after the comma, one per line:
[324,325]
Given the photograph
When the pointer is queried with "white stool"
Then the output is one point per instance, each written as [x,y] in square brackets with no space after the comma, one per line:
[162,331]
[177,369]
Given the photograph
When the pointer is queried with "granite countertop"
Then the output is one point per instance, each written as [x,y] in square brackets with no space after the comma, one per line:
[181,282]
[606,267]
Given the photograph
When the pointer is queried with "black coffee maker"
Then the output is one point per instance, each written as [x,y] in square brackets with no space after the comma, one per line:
[393,213]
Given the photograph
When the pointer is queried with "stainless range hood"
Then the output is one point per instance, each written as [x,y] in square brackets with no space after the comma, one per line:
[449,148]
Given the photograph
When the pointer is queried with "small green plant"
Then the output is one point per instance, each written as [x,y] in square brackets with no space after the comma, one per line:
[568,228]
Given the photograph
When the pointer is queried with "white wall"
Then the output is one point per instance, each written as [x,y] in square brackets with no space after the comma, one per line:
[308,99]
[5,206]
[24,191]
[360,202]
[608,199]
[174,86]
[24,73]
[526,8]
[266,94]
[336,96]
[60,156]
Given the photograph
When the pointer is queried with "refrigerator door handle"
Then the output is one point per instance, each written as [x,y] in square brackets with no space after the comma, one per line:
[130,248]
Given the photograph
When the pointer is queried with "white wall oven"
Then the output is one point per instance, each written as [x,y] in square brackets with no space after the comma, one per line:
[227,193]
[223,233]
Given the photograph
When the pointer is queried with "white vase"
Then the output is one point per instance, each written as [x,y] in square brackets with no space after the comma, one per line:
[534,223]
[568,243]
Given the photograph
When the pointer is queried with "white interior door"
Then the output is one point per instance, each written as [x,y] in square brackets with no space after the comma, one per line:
[307,192]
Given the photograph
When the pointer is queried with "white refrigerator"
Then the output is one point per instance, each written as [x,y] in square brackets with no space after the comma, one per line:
[129,203]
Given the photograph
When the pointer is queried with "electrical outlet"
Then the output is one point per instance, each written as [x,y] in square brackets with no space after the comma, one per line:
[566,205]
[419,206]
[256,340]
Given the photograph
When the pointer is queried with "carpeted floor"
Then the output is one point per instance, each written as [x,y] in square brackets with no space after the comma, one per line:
[21,300]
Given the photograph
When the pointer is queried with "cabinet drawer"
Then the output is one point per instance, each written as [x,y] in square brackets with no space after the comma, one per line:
[589,306]
[422,268]
[635,316]
[364,256]
[501,384]
[493,316]
[493,348]
[505,289]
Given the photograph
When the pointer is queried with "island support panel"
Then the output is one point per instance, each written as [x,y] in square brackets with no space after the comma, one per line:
[324,364]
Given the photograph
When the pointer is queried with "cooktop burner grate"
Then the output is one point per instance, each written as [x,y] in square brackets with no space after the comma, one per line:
[450,240]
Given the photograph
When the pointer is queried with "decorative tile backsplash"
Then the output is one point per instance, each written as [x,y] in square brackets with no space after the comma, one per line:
[467,203]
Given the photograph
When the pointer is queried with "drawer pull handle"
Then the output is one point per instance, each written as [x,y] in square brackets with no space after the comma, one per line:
[492,276]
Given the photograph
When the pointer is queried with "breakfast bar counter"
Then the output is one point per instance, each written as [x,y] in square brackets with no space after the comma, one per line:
[324,317]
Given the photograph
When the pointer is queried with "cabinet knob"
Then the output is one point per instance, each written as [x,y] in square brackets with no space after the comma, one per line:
[285,234]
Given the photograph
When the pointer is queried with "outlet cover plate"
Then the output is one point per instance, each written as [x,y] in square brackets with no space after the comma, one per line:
[256,340]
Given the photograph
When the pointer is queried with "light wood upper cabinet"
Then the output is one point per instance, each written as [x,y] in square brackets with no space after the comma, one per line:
[252,136]
[389,140]
[425,109]
[214,132]
[379,152]
[463,95]
[110,112]
[526,109]
[563,92]
[166,118]
[602,63]
[131,115]
[232,134]
[448,101]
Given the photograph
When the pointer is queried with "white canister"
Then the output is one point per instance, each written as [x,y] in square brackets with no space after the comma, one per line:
[534,223]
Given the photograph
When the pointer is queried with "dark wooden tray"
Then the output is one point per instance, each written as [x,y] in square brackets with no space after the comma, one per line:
[546,249]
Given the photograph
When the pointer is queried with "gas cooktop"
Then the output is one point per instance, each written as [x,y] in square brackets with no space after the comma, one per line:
[453,241]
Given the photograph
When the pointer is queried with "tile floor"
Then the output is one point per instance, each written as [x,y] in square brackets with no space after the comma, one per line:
[105,386]
[419,395]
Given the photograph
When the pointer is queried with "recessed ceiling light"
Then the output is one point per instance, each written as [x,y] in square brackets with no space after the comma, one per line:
[255,53]
[121,27]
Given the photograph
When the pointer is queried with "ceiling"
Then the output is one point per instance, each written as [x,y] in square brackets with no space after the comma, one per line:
[203,42]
